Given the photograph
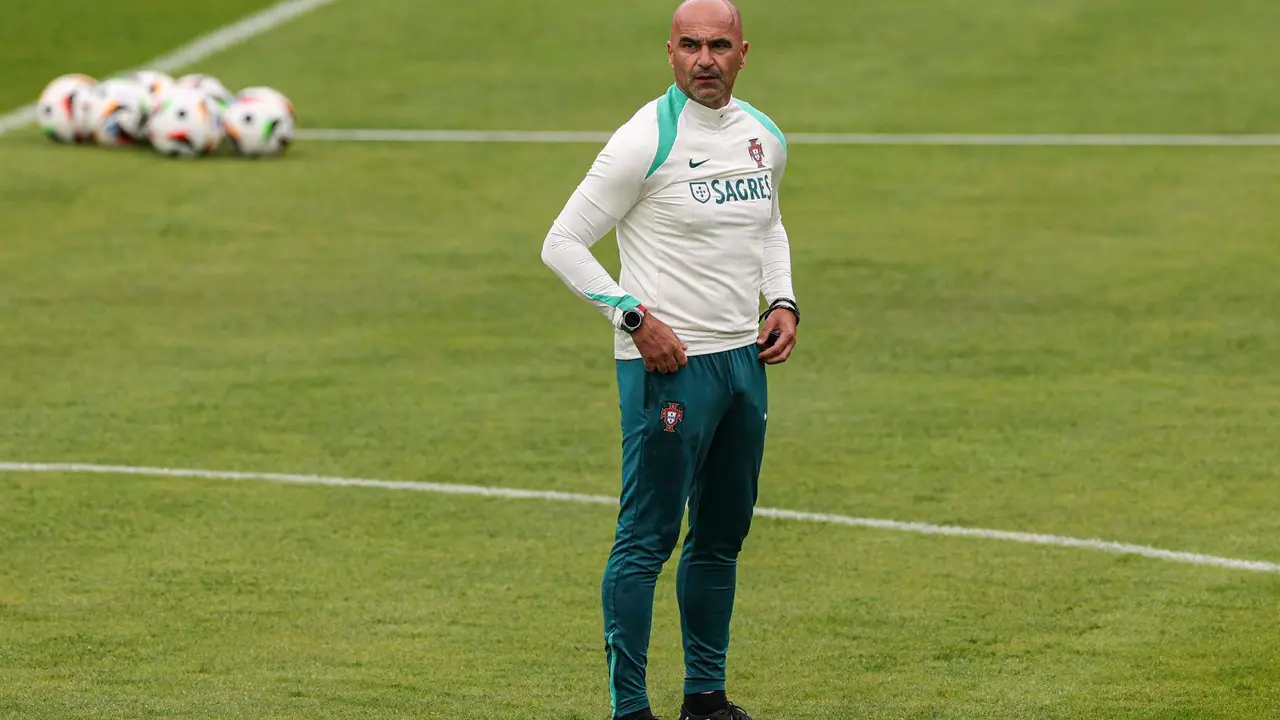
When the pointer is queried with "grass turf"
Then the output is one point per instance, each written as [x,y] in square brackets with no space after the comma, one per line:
[1076,341]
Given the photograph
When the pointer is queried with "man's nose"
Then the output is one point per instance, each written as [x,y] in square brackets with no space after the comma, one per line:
[704,57]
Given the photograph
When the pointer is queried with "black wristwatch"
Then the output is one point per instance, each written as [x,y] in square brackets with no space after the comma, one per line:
[631,319]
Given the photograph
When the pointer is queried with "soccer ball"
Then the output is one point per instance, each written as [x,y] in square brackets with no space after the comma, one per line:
[56,108]
[209,85]
[260,125]
[155,82]
[268,93]
[83,108]
[119,112]
[185,125]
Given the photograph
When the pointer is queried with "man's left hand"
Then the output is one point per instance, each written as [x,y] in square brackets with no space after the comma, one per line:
[782,323]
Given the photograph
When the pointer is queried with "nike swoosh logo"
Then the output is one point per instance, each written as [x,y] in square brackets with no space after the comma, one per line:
[693,164]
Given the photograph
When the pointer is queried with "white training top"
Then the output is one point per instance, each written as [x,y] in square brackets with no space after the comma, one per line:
[693,193]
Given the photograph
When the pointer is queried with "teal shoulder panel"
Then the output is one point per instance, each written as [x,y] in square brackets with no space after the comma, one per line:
[765,121]
[669,108]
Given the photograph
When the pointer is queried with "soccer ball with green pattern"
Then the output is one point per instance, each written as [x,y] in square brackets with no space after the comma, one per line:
[209,85]
[57,109]
[260,124]
[269,93]
[185,125]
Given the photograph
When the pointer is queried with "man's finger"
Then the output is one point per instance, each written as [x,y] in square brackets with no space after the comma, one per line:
[681,358]
[782,357]
[771,351]
[783,345]
[786,352]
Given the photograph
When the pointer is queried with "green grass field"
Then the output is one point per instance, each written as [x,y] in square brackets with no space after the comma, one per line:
[1076,341]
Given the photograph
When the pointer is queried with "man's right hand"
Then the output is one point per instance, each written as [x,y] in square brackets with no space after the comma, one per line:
[659,346]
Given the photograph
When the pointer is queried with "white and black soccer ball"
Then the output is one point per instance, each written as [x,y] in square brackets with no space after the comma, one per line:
[185,125]
[155,82]
[260,125]
[267,93]
[56,110]
[118,115]
[209,85]
[84,106]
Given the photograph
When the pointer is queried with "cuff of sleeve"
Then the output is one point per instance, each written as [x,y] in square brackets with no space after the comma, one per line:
[619,312]
[620,306]
[626,302]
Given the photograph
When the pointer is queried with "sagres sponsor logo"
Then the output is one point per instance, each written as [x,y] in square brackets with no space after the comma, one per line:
[701,191]
[752,188]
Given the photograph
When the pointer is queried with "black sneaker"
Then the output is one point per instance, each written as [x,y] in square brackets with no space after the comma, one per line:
[733,712]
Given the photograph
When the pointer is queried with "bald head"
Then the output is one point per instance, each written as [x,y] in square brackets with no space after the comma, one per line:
[718,12]
[706,49]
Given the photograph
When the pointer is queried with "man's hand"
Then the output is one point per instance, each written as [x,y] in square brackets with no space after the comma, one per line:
[780,328]
[658,344]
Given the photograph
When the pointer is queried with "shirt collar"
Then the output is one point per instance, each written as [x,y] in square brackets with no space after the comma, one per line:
[715,118]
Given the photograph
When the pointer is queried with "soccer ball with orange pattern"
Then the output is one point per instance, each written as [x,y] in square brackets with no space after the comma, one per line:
[119,114]
[260,125]
[186,125]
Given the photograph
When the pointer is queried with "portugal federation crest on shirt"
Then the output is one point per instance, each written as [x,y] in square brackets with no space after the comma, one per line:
[701,191]
[756,151]
[672,414]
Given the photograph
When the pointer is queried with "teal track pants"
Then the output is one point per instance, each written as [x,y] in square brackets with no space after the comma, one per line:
[695,436]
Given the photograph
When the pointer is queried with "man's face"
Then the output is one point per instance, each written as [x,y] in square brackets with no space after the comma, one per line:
[706,51]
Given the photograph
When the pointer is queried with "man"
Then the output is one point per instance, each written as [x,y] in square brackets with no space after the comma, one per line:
[691,183]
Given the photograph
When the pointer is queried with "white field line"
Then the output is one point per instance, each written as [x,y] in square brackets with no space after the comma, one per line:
[18,118]
[198,49]
[508,493]
[983,140]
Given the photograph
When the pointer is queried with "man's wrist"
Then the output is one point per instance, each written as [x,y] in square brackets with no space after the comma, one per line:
[782,303]
[631,319]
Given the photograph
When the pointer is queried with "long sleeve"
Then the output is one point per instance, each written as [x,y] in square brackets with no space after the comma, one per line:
[776,278]
[567,251]
[609,190]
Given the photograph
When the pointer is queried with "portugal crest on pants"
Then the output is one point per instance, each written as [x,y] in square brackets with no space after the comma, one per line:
[672,414]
